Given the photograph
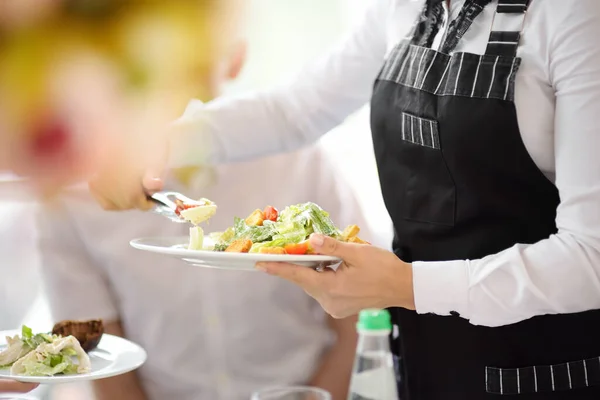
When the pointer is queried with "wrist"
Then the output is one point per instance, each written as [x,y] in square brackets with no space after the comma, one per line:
[401,290]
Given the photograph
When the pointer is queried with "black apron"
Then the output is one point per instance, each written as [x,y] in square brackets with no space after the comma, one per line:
[459,184]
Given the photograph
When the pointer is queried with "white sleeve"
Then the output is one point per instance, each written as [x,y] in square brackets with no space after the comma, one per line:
[562,273]
[291,115]
[75,285]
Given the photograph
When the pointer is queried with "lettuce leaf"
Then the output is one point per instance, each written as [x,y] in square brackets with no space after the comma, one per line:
[294,225]
[223,237]
[196,238]
[52,364]
[26,332]
[256,234]
[308,215]
[320,221]
[33,341]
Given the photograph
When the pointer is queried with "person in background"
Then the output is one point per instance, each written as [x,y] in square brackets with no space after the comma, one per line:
[63,102]
[209,334]
[68,93]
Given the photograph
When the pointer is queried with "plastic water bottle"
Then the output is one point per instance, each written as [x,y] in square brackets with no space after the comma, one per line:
[373,376]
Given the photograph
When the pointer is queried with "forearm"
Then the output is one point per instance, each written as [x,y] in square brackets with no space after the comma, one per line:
[513,285]
[292,115]
[335,369]
[238,128]
[123,387]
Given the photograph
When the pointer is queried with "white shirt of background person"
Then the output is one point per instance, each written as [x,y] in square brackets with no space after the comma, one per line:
[209,333]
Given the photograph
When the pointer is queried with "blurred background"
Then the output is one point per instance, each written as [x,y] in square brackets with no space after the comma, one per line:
[281,36]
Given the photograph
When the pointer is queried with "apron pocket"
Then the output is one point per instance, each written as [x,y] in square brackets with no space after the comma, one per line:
[543,379]
[430,192]
[420,131]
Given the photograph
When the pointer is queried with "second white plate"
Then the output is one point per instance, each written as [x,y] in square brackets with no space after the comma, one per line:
[113,356]
[177,247]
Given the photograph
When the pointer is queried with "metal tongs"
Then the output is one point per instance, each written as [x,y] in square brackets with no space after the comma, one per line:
[166,205]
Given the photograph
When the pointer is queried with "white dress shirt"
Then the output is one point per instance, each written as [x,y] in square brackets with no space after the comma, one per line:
[558,105]
[210,334]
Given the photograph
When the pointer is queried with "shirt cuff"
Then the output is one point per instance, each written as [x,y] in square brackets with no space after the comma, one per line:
[190,140]
[441,288]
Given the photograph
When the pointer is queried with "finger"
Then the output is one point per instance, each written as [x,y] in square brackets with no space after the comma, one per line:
[142,203]
[331,247]
[103,201]
[301,276]
[96,193]
[152,182]
[16,387]
[329,265]
[96,190]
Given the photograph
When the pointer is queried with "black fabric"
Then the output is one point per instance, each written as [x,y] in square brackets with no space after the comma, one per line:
[507,37]
[473,193]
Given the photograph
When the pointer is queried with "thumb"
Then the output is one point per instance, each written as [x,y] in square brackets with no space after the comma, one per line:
[329,246]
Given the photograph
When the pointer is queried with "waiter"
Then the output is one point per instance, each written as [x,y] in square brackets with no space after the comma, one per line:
[484,121]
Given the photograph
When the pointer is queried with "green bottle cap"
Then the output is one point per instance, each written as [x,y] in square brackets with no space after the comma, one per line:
[374,320]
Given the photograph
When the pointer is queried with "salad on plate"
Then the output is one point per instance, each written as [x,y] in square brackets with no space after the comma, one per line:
[269,231]
[44,354]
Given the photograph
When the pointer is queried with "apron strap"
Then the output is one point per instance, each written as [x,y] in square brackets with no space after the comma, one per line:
[429,24]
[507,28]
[459,26]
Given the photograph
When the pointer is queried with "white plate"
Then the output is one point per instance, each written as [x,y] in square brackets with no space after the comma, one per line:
[113,356]
[177,247]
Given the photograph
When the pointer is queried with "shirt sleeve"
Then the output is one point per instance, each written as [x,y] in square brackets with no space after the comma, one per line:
[293,114]
[75,286]
[562,273]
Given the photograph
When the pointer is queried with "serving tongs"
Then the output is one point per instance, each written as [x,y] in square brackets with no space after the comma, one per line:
[166,205]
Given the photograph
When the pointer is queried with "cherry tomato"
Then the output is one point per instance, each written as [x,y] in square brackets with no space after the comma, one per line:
[182,206]
[297,248]
[271,213]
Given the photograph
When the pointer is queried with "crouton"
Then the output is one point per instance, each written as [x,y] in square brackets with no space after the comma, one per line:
[350,231]
[239,246]
[256,218]
[356,239]
[272,250]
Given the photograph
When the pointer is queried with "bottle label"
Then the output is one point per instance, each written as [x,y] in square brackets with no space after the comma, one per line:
[374,384]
